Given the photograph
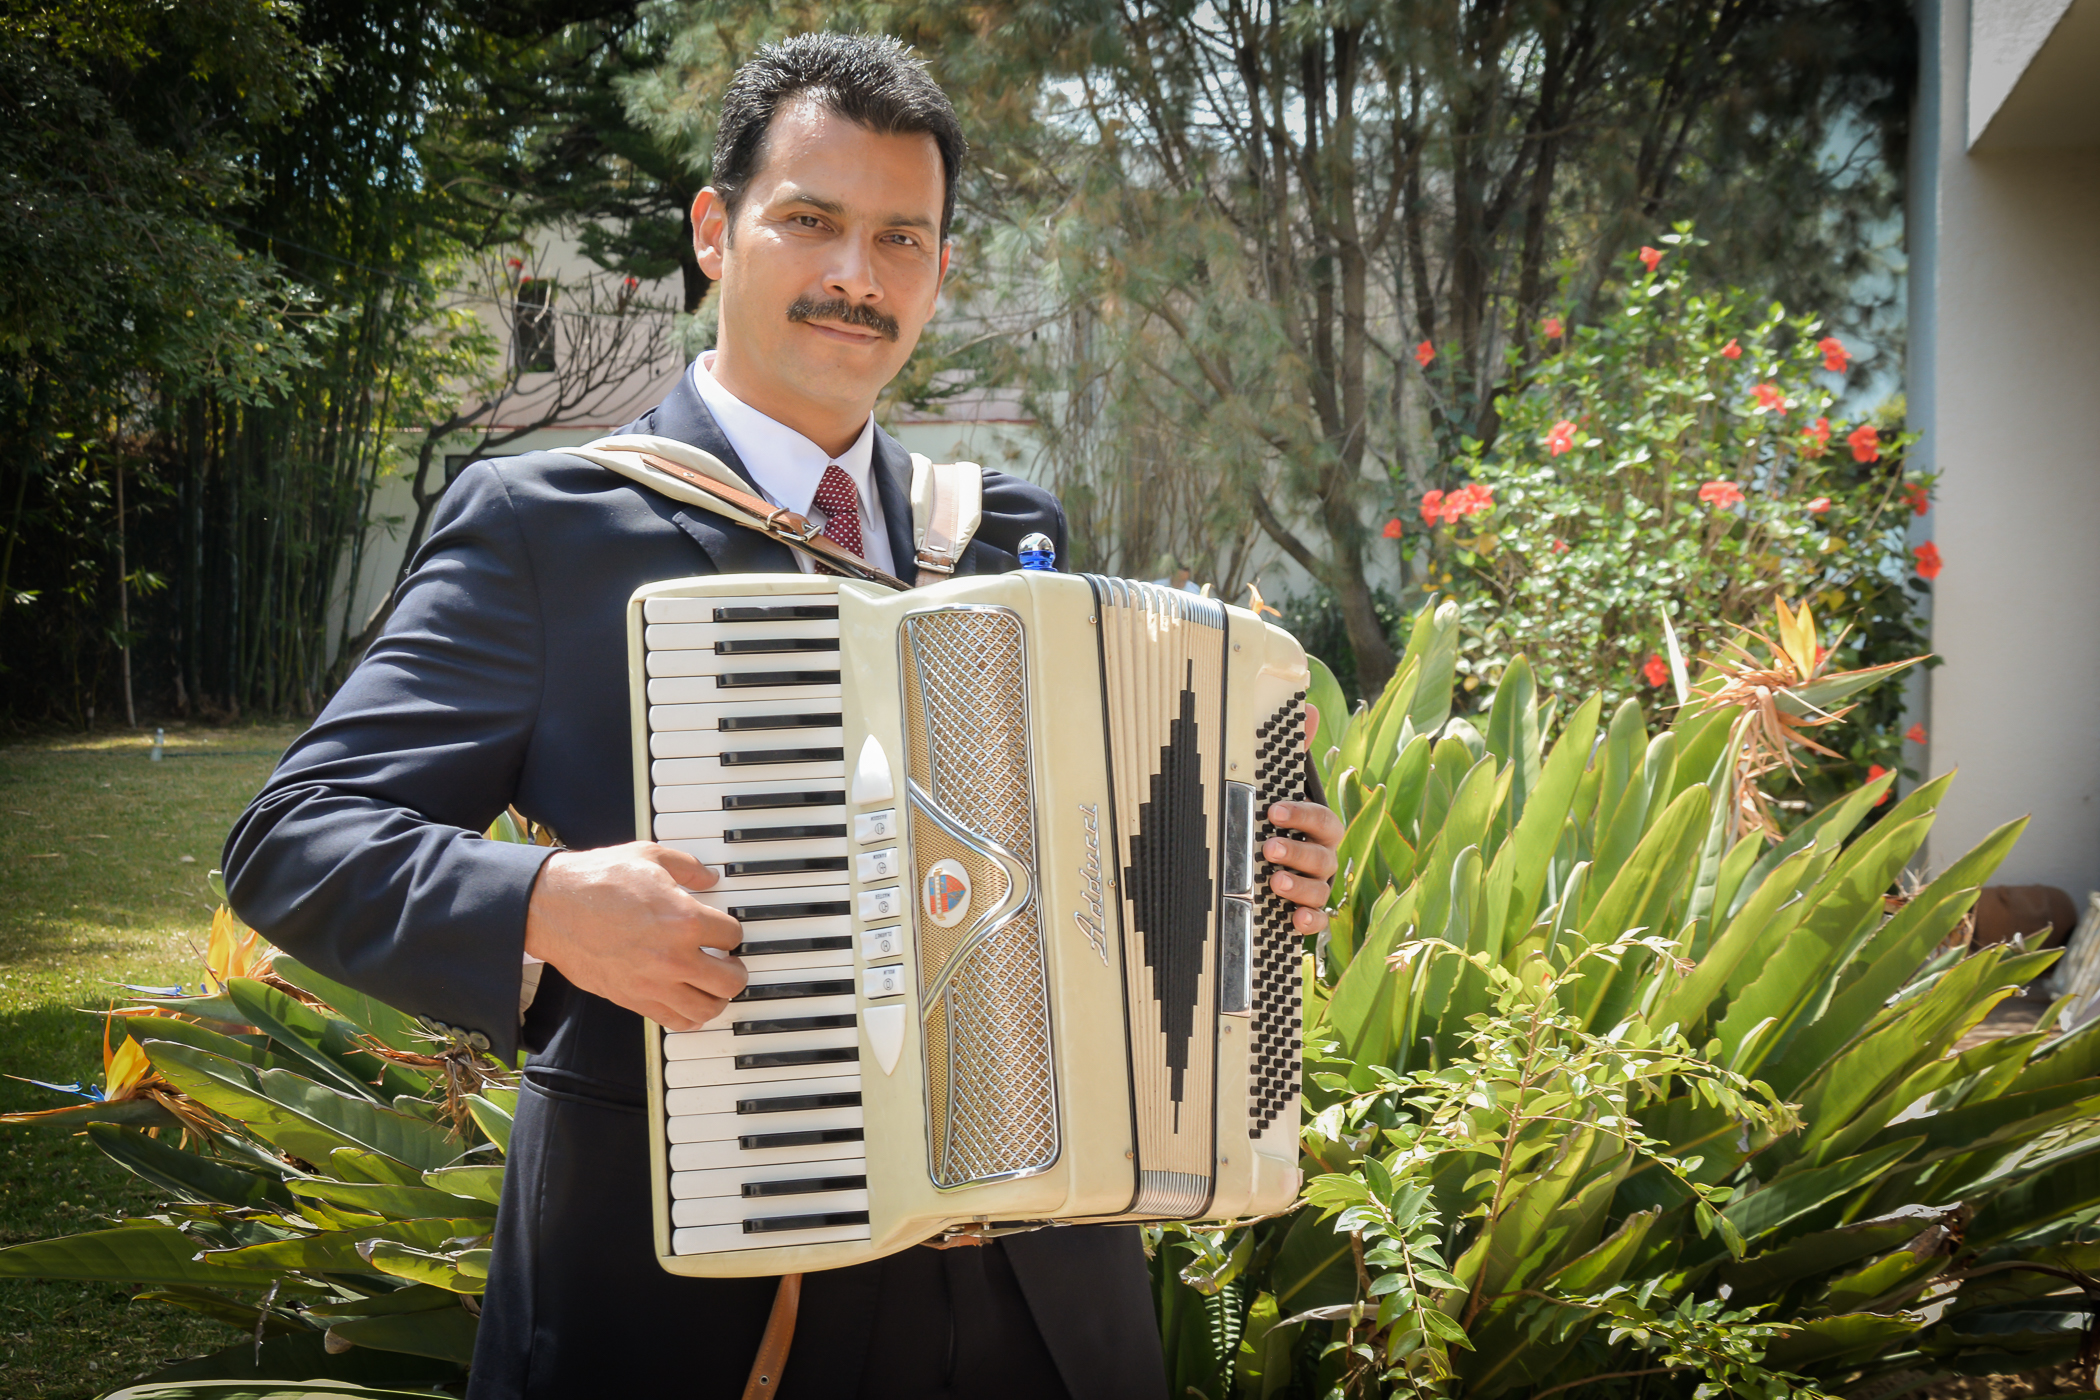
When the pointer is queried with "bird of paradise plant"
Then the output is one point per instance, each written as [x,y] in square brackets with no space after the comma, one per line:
[131,1092]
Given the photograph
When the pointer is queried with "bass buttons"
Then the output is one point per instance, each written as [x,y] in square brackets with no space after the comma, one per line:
[883,981]
[882,904]
[875,826]
[878,865]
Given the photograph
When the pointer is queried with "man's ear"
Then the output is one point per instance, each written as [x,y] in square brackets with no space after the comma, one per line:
[711,232]
[947,250]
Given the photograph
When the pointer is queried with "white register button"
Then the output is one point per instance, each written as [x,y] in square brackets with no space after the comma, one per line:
[875,826]
[882,904]
[879,865]
[883,981]
[882,943]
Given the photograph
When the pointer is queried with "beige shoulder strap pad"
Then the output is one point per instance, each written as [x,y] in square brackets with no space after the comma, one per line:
[947,506]
[626,454]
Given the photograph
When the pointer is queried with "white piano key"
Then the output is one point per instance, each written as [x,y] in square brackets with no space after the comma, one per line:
[722,1127]
[735,1210]
[721,1069]
[843,1004]
[724,1098]
[698,687]
[694,636]
[730,1181]
[833,890]
[699,743]
[655,610]
[715,824]
[683,1047]
[776,908]
[725,1239]
[707,797]
[726,1155]
[665,719]
[825,772]
[718,852]
[707,663]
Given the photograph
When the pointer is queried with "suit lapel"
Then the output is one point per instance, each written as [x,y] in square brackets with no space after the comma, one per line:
[892,473]
[683,417]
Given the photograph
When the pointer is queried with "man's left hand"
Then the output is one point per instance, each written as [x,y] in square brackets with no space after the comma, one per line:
[1308,863]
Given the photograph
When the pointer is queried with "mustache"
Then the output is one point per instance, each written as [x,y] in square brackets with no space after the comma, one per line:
[845,313]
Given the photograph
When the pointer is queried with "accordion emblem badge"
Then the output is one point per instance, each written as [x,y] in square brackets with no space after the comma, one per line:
[995,848]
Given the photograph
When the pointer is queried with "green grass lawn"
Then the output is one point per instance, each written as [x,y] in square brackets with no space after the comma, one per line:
[103,863]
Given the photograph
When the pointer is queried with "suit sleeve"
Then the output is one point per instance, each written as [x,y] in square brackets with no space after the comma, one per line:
[362,856]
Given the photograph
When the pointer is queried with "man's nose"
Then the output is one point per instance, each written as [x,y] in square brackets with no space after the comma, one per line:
[852,273]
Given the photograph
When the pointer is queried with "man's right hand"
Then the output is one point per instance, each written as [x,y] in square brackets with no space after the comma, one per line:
[619,922]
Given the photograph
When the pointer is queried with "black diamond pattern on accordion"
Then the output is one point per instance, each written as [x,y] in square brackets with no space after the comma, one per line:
[1278,993]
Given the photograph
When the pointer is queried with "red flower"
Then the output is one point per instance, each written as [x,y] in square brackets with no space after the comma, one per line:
[1424,353]
[1551,326]
[1560,438]
[633,282]
[1916,734]
[515,262]
[1654,668]
[1721,493]
[1392,528]
[1929,563]
[1835,355]
[1650,257]
[1816,440]
[1769,397]
[1915,493]
[1432,507]
[1865,443]
[1874,771]
[526,278]
[1560,546]
[1731,351]
[1819,505]
[1470,499]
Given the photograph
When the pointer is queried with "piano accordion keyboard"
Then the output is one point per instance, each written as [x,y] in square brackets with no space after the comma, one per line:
[762,1106]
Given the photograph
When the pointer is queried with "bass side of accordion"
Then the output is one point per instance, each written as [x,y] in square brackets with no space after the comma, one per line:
[995,848]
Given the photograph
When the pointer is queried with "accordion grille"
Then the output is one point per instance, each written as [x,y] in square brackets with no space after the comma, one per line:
[991,1099]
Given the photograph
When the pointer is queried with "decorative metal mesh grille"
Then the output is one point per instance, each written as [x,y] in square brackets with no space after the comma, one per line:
[991,1098]
[1278,948]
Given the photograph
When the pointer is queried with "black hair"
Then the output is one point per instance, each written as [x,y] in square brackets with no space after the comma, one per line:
[871,80]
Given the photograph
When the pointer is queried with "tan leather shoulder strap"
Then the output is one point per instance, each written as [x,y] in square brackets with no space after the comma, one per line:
[947,506]
[686,473]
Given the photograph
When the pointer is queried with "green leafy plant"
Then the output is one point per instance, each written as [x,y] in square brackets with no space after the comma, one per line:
[1603,1095]
[1680,458]
[331,1172]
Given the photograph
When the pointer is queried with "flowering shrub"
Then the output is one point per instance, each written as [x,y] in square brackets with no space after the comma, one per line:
[1675,459]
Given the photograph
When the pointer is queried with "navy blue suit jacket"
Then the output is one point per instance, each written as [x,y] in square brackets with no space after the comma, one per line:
[502,680]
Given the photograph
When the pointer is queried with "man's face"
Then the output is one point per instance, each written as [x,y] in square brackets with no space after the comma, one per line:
[831,268]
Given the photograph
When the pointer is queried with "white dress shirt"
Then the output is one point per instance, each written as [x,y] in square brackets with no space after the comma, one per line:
[786,466]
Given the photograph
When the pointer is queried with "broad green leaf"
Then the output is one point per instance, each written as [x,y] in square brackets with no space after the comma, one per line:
[1826,1342]
[134,1254]
[1695,1000]
[475,1183]
[1827,829]
[1435,641]
[1529,850]
[1762,1276]
[335,1251]
[444,1333]
[394,1202]
[248,1049]
[1607,1263]
[302,1032]
[1357,995]
[1793,1195]
[2039,1200]
[414,1298]
[188,1175]
[413,1141]
[72,1117]
[493,1110]
[1325,694]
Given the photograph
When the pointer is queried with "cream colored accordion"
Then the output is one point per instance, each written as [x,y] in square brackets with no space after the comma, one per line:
[995,846]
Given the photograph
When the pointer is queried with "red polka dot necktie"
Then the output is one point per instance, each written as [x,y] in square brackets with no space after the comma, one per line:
[839,499]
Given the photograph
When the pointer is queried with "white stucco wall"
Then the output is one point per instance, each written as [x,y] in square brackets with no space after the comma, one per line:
[2005,382]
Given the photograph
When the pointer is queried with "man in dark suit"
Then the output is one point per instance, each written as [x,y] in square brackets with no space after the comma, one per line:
[501,680]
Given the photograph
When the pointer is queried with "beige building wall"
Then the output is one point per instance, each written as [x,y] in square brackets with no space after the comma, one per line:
[2005,383]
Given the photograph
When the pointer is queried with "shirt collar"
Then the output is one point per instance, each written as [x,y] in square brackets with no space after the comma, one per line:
[784,465]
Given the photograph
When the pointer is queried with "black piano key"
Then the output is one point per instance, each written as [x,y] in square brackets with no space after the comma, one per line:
[800,1103]
[753,758]
[796,612]
[811,1137]
[780,1223]
[751,680]
[768,646]
[738,834]
[787,1059]
[759,801]
[788,991]
[805,1186]
[784,1024]
[826,944]
[746,724]
[766,913]
[786,865]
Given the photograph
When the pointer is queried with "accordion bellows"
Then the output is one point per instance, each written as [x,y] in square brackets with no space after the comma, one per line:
[995,845]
